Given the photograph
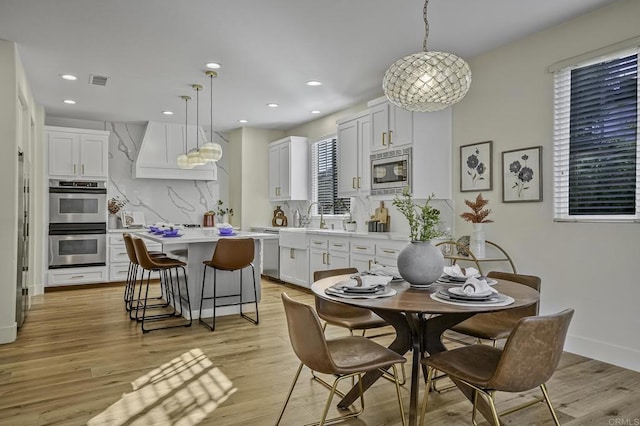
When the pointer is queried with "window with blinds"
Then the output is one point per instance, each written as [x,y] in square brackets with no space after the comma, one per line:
[596,151]
[324,183]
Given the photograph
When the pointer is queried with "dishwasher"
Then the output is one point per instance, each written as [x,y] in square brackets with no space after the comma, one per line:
[270,253]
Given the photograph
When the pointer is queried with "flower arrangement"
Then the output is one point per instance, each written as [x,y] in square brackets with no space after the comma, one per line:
[477,214]
[522,174]
[423,220]
[115,204]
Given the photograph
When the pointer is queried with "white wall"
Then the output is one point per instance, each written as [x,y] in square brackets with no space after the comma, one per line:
[19,129]
[587,266]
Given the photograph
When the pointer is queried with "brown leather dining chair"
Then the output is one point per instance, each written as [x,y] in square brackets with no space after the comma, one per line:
[528,360]
[345,357]
[494,326]
[341,315]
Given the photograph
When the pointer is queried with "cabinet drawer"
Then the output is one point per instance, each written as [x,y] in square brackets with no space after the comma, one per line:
[387,251]
[318,243]
[116,239]
[118,254]
[118,271]
[68,277]
[363,247]
[339,245]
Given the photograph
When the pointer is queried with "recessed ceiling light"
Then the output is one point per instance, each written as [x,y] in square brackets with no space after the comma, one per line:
[213,65]
[167,112]
[242,121]
[69,101]
[315,111]
[69,77]
[272,105]
[314,83]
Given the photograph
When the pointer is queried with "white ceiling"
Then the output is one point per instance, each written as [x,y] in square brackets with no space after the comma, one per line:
[153,50]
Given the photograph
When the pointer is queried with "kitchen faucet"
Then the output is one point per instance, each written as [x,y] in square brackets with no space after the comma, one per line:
[322,224]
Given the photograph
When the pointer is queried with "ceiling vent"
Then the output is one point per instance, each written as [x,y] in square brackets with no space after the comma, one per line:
[98,80]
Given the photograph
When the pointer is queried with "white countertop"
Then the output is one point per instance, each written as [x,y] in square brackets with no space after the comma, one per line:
[201,235]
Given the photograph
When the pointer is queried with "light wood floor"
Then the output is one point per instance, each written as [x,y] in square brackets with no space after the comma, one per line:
[80,360]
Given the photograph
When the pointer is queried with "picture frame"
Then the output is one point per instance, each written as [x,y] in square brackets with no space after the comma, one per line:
[522,175]
[476,170]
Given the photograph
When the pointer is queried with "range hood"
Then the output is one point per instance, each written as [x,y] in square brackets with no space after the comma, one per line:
[161,145]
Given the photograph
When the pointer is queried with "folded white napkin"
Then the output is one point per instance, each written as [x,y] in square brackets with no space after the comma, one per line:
[458,272]
[477,286]
[368,281]
[384,271]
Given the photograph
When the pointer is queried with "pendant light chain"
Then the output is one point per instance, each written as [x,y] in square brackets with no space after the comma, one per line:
[186,123]
[197,87]
[426,25]
[211,93]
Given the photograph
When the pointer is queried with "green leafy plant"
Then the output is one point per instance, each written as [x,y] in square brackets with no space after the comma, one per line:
[221,210]
[477,214]
[423,219]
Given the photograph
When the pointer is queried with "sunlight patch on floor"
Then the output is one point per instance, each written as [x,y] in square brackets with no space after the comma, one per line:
[181,392]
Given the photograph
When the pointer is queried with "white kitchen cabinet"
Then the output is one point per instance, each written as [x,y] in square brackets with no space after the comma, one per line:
[75,276]
[363,254]
[354,143]
[77,153]
[432,160]
[327,253]
[289,169]
[294,266]
[118,260]
[392,126]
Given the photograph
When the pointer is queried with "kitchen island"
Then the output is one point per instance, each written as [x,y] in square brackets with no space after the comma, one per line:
[194,246]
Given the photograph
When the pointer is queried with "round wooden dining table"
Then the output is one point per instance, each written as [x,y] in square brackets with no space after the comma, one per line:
[419,322]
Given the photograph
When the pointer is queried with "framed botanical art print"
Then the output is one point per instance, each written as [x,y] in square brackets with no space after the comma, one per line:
[476,172]
[522,175]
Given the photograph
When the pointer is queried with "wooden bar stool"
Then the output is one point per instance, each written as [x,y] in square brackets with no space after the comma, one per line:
[230,254]
[164,266]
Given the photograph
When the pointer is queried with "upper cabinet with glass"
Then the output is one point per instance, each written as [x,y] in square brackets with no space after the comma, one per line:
[289,169]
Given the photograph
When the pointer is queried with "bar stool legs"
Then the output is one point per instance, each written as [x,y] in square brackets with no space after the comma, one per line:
[212,326]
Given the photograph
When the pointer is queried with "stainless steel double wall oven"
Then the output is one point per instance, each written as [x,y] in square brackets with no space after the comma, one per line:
[77,223]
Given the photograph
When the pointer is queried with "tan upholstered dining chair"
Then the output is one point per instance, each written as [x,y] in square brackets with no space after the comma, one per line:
[529,359]
[345,357]
[494,326]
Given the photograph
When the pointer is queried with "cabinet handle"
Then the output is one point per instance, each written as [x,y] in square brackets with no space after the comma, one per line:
[383,135]
[369,263]
[122,271]
[360,248]
[389,251]
[353,183]
[121,253]
[324,258]
[358,182]
[77,276]
[337,245]
[390,133]
[74,169]
[83,169]
[317,242]
[328,259]
[292,253]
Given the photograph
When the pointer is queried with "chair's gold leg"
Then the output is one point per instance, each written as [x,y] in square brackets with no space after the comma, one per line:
[475,408]
[492,404]
[286,401]
[395,374]
[543,387]
[430,372]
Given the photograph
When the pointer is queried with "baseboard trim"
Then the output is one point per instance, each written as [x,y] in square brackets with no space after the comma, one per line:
[8,334]
[606,352]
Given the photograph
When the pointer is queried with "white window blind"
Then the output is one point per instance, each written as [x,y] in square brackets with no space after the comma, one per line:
[324,182]
[596,150]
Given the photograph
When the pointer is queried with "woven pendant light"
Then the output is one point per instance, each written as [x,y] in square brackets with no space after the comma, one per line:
[427,81]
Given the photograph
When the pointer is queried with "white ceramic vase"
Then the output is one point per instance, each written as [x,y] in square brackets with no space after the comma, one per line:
[114,221]
[420,263]
[477,243]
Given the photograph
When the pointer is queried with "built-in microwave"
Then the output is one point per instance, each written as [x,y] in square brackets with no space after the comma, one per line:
[390,171]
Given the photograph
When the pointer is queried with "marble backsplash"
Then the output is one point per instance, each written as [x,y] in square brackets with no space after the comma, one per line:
[172,201]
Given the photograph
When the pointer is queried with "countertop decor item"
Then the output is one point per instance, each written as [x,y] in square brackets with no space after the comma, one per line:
[222,211]
[115,204]
[478,217]
[427,81]
[420,263]
[279,218]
